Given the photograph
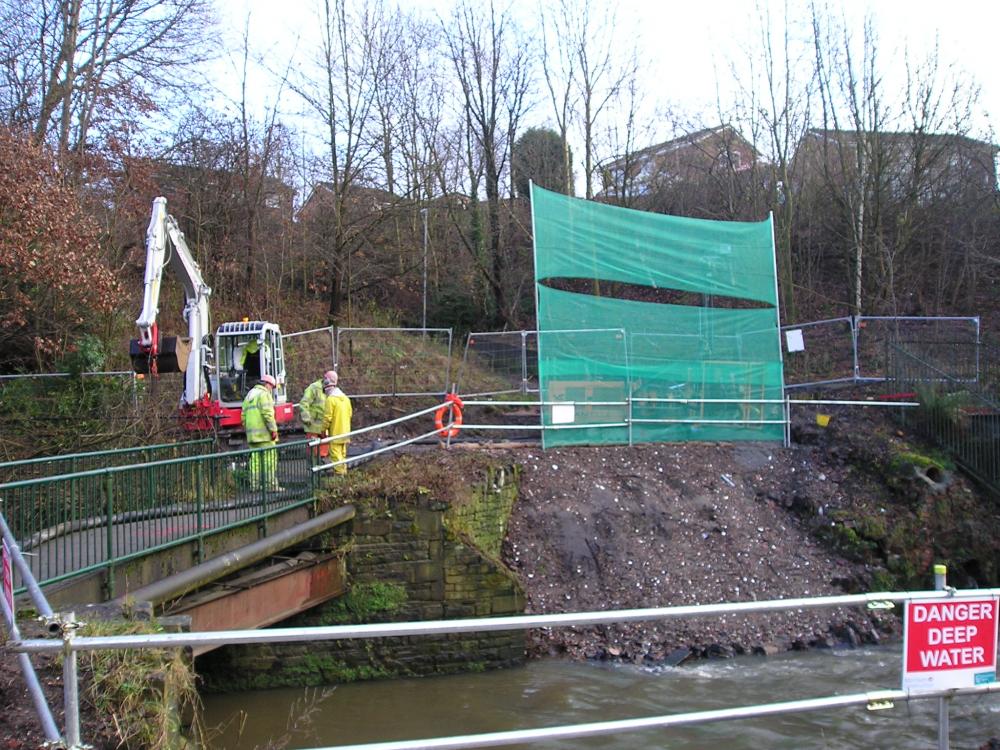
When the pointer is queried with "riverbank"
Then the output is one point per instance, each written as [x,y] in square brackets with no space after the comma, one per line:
[844,510]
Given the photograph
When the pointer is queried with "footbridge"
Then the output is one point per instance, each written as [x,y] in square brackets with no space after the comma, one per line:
[163,523]
[224,538]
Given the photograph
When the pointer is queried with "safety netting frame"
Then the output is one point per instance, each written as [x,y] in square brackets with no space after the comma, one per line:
[622,367]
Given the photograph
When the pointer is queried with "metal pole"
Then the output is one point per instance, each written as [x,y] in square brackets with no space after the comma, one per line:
[423,320]
[940,582]
[855,324]
[524,362]
[71,692]
[34,687]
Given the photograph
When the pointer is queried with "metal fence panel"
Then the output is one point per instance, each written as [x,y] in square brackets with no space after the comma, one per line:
[308,354]
[826,355]
[374,362]
[499,362]
[934,334]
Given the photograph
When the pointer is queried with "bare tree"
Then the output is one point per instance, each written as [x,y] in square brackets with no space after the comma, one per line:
[88,62]
[585,70]
[854,115]
[344,97]
[774,85]
[492,68]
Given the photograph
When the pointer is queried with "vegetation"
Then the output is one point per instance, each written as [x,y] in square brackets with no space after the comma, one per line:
[884,197]
[141,694]
[364,601]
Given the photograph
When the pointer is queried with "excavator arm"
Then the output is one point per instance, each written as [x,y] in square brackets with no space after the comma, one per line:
[153,353]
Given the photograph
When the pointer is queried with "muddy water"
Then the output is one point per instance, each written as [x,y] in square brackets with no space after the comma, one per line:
[554,692]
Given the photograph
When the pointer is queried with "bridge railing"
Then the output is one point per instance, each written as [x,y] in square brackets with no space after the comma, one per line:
[71,524]
[71,463]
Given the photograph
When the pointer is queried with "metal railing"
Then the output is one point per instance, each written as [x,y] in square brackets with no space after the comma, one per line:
[72,524]
[71,463]
[71,644]
[958,417]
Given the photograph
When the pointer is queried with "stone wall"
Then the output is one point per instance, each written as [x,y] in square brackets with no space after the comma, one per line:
[409,559]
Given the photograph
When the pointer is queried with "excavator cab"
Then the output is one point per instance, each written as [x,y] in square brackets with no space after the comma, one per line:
[244,352]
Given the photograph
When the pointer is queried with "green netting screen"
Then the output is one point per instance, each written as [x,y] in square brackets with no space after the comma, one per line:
[681,313]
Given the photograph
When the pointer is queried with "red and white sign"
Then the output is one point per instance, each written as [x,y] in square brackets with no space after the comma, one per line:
[8,576]
[950,643]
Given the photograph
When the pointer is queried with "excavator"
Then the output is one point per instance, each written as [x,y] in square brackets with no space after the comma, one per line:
[219,372]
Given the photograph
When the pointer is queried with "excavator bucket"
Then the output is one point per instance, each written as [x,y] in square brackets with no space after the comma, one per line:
[173,356]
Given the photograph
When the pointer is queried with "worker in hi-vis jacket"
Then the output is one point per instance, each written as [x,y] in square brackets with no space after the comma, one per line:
[336,420]
[257,416]
[312,408]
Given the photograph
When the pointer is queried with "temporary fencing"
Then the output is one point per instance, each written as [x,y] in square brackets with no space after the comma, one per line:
[820,352]
[855,349]
[933,336]
[308,354]
[497,363]
[378,362]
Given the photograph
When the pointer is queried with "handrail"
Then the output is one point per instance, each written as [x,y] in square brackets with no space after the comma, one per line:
[111,452]
[874,699]
[149,464]
[42,605]
[483,624]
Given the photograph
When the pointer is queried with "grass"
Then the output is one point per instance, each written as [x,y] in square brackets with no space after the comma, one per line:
[142,695]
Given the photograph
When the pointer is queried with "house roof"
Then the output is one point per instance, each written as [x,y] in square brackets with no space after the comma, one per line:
[901,136]
[675,144]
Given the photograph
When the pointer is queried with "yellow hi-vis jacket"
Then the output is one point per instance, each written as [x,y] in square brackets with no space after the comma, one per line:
[258,415]
[312,408]
[337,415]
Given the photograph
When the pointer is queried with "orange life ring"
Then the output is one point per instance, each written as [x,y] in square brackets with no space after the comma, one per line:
[454,405]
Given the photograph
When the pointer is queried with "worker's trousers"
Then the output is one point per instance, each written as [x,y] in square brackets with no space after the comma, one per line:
[320,451]
[264,466]
[338,452]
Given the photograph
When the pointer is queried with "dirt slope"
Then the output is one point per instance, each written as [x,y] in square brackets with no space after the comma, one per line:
[649,526]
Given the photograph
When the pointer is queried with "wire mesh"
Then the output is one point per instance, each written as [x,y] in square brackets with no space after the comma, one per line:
[308,354]
[374,362]
[75,523]
[818,353]
[875,334]
[499,362]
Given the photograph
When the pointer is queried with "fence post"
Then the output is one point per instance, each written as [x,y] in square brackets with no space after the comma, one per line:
[855,323]
[71,688]
[524,362]
[940,581]
[200,494]
[109,541]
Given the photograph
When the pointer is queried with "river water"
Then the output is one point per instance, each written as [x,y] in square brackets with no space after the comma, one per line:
[556,692]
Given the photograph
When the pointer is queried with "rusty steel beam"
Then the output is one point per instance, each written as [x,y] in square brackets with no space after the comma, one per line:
[266,596]
[179,584]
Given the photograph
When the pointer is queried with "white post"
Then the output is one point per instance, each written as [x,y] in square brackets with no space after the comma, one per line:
[423,320]
[940,581]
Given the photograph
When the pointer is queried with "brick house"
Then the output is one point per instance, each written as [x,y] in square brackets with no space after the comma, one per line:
[923,168]
[638,178]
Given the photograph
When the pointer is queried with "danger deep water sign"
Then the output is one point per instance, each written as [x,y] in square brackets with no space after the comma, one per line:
[950,643]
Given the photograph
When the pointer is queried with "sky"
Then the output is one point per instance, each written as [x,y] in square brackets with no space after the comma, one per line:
[686,47]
